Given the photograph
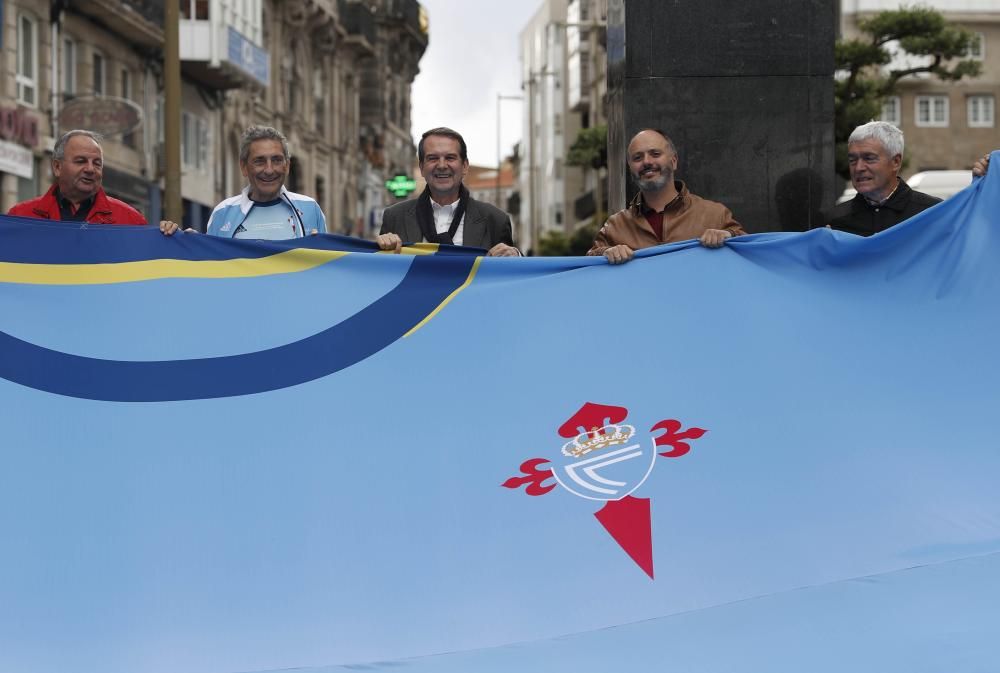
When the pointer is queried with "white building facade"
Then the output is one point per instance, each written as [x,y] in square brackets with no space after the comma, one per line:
[548,187]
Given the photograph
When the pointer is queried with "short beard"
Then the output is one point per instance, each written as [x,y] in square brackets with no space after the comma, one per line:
[654,184]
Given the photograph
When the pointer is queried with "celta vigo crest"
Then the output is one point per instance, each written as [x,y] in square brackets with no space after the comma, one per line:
[606,460]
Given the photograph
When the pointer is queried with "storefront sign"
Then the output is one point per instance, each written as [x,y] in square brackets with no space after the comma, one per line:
[19,126]
[106,115]
[16,160]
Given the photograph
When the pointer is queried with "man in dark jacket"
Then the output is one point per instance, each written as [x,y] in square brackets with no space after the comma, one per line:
[77,195]
[874,156]
[445,212]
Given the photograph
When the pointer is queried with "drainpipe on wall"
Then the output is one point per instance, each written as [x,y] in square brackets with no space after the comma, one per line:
[55,11]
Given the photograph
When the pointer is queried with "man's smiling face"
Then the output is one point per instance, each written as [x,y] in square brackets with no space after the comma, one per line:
[265,169]
[443,167]
[651,161]
[873,171]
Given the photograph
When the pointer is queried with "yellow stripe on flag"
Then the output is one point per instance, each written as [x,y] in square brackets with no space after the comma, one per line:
[468,281]
[290,261]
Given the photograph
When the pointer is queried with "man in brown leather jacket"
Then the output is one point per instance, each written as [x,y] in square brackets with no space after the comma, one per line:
[664,211]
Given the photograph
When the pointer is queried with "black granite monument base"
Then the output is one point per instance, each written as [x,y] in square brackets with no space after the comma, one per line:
[745,91]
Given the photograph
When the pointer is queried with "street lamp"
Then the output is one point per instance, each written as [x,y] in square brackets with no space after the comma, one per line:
[533,79]
[501,97]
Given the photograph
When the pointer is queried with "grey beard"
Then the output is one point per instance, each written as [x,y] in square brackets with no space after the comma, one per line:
[654,184]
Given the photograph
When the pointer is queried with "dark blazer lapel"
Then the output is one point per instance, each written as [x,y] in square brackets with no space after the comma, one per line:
[411,226]
[474,230]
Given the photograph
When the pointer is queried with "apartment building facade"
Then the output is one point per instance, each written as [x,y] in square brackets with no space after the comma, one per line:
[298,65]
[947,125]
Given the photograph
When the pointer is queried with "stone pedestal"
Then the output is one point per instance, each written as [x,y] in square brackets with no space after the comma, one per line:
[745,91]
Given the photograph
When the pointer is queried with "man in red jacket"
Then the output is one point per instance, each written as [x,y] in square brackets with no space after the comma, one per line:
[77,195]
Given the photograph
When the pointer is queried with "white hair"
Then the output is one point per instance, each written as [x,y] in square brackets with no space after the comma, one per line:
[884,132]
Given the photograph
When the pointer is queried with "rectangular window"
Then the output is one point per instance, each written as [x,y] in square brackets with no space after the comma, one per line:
[319,100]
[187,139]
[194,9]
[98,74]
[129,137]
[891,111]
[67,82]
[27,60]
[203,144]
[932,111]
[982,111]
[158,113]
[977,48]
[29,188]
[194,142]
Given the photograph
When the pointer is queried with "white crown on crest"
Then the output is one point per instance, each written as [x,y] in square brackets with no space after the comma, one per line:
[596,439]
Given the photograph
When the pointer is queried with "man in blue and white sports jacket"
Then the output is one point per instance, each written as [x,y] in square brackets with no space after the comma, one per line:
[265,210]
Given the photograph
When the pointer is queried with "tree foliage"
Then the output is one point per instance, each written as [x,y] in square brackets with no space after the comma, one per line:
[590,149]
[866,81]
[557,244]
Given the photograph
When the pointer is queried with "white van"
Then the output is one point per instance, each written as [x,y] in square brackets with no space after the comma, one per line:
[941,184]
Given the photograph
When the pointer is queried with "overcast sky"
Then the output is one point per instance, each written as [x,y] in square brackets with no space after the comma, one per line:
[471,57]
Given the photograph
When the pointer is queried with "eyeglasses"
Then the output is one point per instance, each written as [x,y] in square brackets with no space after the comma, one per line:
[261,162]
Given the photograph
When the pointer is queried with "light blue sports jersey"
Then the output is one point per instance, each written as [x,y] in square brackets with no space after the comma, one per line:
[291,215]
[270,221]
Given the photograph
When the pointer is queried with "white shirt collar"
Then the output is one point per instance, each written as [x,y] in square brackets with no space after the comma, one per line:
[450,207]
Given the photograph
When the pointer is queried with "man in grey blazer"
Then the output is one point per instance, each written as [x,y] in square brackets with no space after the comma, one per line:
[444,212]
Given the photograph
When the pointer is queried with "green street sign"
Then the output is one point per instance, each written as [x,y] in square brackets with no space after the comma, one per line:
[401,185]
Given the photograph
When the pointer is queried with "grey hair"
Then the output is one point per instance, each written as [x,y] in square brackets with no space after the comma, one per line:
[884,132]
[59,151]
[254,133]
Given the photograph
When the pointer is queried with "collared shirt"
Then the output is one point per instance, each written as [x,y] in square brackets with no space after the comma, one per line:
[878,203]
[860,217]
[654,217]
[443,215]
[70,213]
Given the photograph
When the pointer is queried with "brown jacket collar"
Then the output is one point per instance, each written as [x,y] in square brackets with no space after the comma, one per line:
[638,206]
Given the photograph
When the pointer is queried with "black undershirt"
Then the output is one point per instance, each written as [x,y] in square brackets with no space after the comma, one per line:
[66,211]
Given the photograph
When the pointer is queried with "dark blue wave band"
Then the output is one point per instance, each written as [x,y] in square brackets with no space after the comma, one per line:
[428,282]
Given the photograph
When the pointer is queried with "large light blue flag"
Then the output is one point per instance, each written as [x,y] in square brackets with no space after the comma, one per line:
[779,456]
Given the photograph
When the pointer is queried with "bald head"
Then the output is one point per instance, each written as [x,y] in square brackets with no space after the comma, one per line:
[652,160]
[652,134]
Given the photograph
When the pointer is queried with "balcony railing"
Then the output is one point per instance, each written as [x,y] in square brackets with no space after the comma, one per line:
[150,10]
